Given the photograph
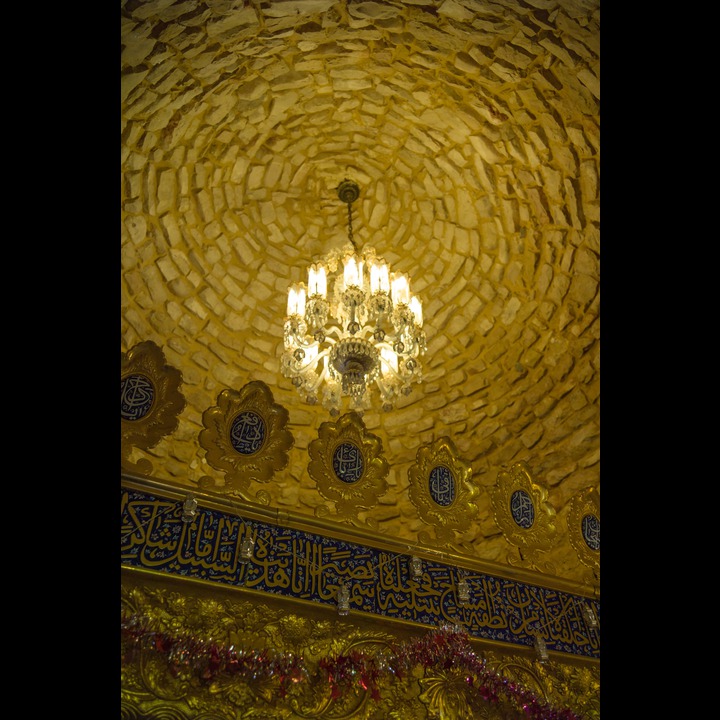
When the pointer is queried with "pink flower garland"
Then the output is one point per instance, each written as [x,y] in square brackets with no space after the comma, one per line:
[445,647]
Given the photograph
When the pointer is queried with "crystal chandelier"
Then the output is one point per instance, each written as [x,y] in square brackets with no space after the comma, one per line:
[366,334]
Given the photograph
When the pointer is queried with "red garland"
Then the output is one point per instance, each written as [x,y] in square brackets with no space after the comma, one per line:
[446,647]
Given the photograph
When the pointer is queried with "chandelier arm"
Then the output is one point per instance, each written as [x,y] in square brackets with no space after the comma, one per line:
[298,342]
[395,373]
[303,369]
[322,376]
[413,350]
[384,390]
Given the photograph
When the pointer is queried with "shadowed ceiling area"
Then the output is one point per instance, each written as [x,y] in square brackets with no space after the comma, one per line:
[472,131]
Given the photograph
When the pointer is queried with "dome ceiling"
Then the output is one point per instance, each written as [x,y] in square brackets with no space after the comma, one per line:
[472,131]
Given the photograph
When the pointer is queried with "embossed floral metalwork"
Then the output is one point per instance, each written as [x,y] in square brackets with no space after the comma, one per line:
[446,694]
[523,514]
[150,402]
[246,436]
[299,664]
[584,528]
[441,488]
[347,464]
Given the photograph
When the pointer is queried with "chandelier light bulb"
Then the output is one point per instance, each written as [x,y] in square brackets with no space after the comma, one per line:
[400,290]
[416,310]
[355,329]
[317,281]
[296,300]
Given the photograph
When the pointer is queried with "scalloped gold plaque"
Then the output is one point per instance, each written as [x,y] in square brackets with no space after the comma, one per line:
[347,464]
[584,528]
[150,401]
[246,435]
[441,488]
[523,514]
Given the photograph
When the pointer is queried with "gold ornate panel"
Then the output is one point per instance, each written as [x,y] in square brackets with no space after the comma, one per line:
[192,652]
[523,514]
[150,402]
[347,464]
[441,489]
[584,529]
[246,437]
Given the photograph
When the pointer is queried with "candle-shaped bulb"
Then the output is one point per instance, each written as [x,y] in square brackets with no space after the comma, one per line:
[353,272]
[416,309]
[296,300]
[317,280]
[379,278]
[400,290]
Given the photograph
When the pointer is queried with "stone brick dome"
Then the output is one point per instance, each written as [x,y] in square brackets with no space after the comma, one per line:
[472,130]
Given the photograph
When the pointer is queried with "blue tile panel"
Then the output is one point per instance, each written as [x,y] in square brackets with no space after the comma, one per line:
[309,566]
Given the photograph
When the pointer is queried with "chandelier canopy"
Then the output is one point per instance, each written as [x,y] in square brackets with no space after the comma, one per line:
[367,334]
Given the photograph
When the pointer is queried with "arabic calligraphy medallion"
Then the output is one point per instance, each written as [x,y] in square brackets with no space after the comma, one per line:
[442,485]
[591,531]
[522,509]
[247,432]
[136,397]
[348,462]
[246,436]
[524,515]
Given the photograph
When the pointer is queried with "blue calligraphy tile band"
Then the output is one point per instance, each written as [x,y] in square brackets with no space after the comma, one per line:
[310,566]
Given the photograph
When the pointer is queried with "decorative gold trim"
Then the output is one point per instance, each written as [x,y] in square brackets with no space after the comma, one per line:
[517,499]
[150,402]
[156,683]
[246,436]
[586,504]
[365,467]
[432,459]
[326,526]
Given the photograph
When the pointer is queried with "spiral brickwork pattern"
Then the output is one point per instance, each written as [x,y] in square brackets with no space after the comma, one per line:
[472,131]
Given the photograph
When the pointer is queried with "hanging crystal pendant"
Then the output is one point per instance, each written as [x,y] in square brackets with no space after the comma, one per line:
[189,509]
[246,549]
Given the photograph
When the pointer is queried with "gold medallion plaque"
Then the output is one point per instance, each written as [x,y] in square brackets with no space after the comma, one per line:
[584,528]
[150,402]
[441,488]
[347,464]
[523,514]
[246,436]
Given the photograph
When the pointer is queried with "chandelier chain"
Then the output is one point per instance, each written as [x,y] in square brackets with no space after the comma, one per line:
[350,230]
